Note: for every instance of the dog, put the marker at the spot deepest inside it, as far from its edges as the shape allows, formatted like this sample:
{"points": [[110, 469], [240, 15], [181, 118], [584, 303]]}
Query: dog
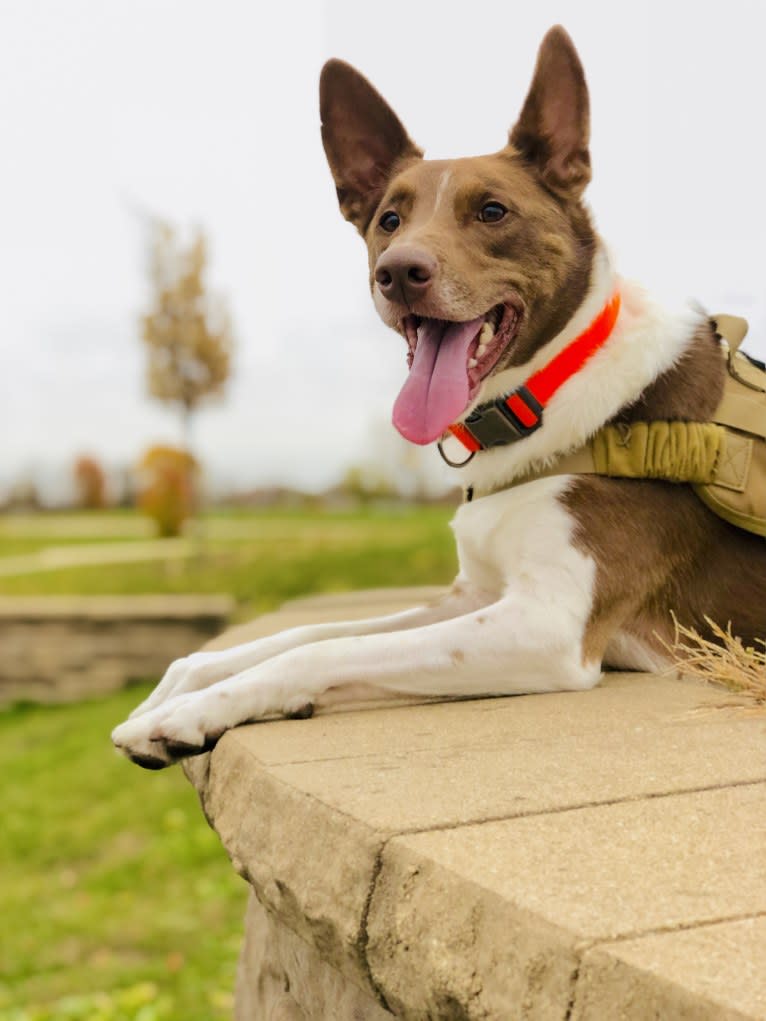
{"points": [[492, 273]]}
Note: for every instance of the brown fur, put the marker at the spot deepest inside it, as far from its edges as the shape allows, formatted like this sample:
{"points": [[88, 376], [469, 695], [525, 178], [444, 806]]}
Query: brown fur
{"points": [[690, 391], [364, 140], [659, 549], [553, 129], [691, 562], [538, 259]]}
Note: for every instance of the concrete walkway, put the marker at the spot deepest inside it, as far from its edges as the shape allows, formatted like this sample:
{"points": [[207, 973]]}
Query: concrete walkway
{"points": [[129, 550], [95, 554], [578, 856]]}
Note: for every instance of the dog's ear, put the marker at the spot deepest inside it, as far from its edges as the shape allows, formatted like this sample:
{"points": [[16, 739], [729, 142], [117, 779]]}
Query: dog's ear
{"points": [[363, 140], [553, 129]]}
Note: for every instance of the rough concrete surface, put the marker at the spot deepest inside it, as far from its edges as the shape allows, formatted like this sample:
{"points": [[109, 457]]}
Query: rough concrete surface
{"points": [[310, 867], [577, 857], [711, 972], [283, 978]]}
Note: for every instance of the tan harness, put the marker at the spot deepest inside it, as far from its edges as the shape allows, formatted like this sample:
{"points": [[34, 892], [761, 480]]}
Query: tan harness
{"points": [[724, 460]]}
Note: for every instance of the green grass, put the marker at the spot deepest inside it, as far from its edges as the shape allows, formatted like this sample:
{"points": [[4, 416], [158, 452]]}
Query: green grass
{"points": [[29, 533], [117, 901], [269, 558], [116, 898]]}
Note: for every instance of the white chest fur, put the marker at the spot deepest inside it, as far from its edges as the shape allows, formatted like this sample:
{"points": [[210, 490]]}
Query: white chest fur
{"points": [[520, 539]]}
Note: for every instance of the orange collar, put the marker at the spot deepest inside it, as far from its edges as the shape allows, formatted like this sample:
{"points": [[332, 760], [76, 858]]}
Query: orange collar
{"points": [[514, 415]]}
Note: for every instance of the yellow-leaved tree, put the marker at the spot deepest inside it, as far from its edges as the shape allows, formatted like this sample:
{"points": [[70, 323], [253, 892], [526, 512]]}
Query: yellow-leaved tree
{"points": [[187, 330]]}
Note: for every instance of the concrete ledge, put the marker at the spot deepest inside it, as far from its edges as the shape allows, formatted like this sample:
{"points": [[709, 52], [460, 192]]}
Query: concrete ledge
{"points": [[61, 648], [570, 856], [711, 972]]}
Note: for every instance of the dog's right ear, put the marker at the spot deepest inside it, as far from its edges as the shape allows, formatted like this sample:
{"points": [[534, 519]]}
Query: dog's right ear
{"points": [[363, 140]]}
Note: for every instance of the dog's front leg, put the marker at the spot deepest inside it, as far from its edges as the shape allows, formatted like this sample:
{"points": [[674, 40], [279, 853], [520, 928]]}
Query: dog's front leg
{"points": [[202, 669], [509, 647]]}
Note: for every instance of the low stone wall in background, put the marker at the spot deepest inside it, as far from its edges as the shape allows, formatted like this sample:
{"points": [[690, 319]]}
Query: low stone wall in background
{"points": [[63, 648]]}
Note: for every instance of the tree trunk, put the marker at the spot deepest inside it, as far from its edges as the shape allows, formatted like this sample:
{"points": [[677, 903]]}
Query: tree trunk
{"points": [[186, 428], [195, 526]]}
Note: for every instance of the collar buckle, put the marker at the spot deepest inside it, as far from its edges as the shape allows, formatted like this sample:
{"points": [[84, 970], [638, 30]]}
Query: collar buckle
{"points": [[509, 418]]}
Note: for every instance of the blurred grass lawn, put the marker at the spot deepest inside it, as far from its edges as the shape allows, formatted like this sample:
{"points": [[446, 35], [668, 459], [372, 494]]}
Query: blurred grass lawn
{"points": [[262, 559], [117, 901]]}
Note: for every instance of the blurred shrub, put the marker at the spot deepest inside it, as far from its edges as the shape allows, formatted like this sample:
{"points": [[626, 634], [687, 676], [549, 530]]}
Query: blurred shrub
{"points": [[365, 484], [167, 485], [23, 495], [90, 482]]}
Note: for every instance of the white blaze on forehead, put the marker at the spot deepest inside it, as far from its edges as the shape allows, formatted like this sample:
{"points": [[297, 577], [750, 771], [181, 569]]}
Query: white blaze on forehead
{"points": [[442, 187]]}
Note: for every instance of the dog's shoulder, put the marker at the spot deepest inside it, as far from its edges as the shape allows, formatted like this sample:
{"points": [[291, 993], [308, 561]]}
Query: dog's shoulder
{"points": [[689, 390]]}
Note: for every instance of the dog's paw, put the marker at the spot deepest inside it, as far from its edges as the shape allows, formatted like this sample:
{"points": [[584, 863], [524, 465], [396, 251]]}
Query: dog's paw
{"points": [[191, 723], [172, 731], [135, 745]]}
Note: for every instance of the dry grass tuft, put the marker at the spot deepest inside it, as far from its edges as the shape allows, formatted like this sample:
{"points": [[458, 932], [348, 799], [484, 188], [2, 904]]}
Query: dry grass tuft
{"points": [[725, 662]]}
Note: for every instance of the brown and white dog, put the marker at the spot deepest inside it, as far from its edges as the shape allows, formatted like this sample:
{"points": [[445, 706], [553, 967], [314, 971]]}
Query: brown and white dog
{"points": [[489, 267]]}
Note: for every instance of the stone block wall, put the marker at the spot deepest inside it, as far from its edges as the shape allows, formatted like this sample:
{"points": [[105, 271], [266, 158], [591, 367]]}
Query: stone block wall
{"points": [[57, 649], [577, 856]]}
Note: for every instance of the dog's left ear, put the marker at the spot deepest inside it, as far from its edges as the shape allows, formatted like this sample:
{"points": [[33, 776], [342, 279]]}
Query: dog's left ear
{"points": [[553, 130], [363, 140]]}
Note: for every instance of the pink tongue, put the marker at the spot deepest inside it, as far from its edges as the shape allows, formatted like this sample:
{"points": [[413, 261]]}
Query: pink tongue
{"points": [[437, 388]]}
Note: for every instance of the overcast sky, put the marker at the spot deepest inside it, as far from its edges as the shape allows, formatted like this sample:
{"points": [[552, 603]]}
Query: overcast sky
{"points": [[206, 113]]}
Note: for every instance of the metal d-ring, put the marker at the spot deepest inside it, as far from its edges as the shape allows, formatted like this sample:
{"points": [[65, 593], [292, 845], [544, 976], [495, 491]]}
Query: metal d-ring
{"points": [[454, 464]]}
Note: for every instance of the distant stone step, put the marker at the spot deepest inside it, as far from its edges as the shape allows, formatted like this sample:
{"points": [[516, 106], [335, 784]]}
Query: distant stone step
{"points": [[64, 648]]}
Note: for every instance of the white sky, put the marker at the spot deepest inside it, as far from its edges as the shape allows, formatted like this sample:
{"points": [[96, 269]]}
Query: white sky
{"points": [[205, 111]]}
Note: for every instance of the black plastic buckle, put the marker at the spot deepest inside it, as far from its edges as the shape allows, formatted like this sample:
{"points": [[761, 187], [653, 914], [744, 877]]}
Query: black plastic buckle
{"points": [[532, 404], [496, 425]]}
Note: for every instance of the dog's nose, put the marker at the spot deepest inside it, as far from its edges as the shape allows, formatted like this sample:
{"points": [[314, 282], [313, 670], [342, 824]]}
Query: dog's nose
{"points": [[404, 273]]}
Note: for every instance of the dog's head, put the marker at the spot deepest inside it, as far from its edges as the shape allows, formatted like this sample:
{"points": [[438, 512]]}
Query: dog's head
{"points": [[476, 262]]}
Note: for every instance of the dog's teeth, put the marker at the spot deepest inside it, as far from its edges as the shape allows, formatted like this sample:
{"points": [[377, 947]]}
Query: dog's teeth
{"points": [[472, 363], [481, 350], [487, 332]]}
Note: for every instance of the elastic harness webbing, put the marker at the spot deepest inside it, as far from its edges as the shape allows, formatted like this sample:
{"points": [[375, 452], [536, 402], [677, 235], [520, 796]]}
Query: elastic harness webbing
{"points": [[712, 457], [672, 451]]}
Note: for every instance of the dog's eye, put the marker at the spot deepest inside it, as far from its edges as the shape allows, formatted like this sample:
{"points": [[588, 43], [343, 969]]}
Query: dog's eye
{"points": [[492, 212], [389, 221]]}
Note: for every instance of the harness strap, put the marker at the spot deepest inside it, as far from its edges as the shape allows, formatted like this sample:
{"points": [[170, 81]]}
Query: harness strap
{"points": [[733, 329], [700, 453], [673, 451], [742, 411]]}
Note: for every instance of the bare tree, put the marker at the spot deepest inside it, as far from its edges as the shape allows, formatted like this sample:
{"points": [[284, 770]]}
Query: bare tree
{"points": [[187, 330]]}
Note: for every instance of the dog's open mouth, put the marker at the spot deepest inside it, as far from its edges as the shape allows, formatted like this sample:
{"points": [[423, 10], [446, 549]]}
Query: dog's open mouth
{"points": [[448, 362]]}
